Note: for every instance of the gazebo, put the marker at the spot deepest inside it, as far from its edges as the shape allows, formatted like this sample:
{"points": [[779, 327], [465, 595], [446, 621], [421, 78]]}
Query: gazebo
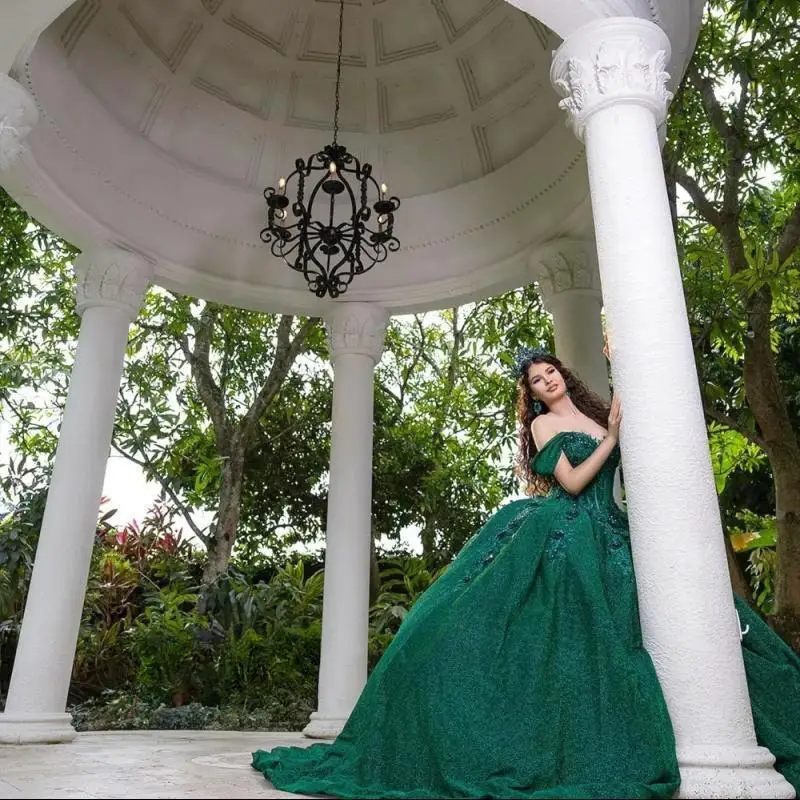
{"points": [[144, 132]]}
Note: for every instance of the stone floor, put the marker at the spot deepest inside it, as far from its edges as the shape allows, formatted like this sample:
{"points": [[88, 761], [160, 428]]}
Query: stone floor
{"points": [[142, 764]]}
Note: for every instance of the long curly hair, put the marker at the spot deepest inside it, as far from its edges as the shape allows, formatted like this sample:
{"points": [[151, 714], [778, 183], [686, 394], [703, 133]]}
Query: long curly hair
{"points": [[584, 399]]}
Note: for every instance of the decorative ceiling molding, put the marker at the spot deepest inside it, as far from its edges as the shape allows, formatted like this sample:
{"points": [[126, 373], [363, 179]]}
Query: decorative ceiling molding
{"points": [[310, 104], [391, 118], [173, 56], [453, 19], [543, 33], [82, 15], [310, 52], [385, 56], [153, 108], [212, 6], [464, 72], [279, 45], [486, 75]]}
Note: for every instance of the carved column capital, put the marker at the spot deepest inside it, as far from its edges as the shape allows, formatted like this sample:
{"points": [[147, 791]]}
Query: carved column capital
{"points": [[113, 277], [610, 61], [18, 115], [357, 328], [566, 266]]}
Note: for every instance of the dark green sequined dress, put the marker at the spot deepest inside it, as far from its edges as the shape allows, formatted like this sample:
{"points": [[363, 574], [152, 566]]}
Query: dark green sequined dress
{"points": [[521, 672]]}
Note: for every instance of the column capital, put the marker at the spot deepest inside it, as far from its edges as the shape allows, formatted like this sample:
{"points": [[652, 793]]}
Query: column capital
{"points": [[112, 277], [18, 115], [357, 329], [566, 266], [610, 61]]}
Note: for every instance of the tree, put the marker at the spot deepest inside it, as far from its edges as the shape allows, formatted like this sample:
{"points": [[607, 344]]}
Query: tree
{"points": [[733, 123], [37, 324], [199, 380], [200, 386], [445, 430]]}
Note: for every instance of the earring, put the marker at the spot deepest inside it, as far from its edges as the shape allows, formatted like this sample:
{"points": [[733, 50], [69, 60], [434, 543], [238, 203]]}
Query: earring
{"points": [[569, 393], [537, 407]]}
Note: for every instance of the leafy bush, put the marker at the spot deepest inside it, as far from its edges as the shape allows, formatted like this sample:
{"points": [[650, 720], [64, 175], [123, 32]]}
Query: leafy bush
{"points": [[168, 644], [755, 536], [19, 534], [158, 651]]}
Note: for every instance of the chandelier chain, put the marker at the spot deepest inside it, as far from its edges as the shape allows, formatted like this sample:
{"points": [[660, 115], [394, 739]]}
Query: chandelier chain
{"points": [[338, 73], [338, 232]]}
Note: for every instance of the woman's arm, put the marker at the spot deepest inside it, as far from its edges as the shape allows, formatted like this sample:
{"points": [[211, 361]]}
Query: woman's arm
{"points": [[576, 479]]}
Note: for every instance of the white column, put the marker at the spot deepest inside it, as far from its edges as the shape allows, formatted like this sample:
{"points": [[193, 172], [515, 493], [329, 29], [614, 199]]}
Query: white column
{"points": [[570, 288], [611, 73], [18, 115], [578, 328], [356, 332], [111, 285]]}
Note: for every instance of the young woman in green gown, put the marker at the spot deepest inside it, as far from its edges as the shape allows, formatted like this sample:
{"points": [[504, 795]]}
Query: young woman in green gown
{"points": [[521, 673]]}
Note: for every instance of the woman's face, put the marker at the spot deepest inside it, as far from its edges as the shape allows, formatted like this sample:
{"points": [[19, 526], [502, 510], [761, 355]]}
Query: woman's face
{"points": [[546, 383]]}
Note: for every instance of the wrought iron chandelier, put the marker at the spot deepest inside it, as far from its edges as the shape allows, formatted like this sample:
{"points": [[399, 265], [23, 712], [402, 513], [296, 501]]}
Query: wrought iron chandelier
{"points": [[337, 232]]}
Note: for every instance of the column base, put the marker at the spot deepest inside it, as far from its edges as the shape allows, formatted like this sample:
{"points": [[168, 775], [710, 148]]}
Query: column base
{"points": [[36, 728], [730, 772], [323, 726]]}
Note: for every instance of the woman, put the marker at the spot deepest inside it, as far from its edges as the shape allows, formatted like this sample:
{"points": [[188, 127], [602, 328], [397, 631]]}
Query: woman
{"points": [[521, 672]]}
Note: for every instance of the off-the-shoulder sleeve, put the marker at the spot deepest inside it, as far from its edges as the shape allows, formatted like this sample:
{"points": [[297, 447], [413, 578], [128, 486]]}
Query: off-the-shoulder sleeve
{"points": [[545, 460]]}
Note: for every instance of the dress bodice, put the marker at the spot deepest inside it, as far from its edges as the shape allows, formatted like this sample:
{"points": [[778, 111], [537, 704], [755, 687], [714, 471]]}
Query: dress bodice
{"points": [[578, 446]]}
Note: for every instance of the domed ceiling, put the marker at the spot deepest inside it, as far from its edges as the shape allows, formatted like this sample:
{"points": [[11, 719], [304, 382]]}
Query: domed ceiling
{"points": [[162, 122], [434, 92]]}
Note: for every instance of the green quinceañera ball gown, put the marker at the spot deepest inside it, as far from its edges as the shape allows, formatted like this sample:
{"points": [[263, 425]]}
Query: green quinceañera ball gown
{"points": [[521, 672]]}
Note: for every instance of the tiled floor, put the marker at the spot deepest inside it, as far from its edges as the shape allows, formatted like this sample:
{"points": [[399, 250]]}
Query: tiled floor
{"points": [[142, 764]]}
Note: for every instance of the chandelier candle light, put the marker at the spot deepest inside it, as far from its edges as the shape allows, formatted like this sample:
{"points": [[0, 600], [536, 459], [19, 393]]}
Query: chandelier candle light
{"points": [[331, 243]]}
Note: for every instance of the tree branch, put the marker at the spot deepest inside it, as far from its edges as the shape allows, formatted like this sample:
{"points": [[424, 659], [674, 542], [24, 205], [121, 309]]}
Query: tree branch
{"points": [[286, 351], [714, 109], [789, 237], [698, 196], [669, 162], [729, 422], [731, 137], [200, 363], [146, 464]]}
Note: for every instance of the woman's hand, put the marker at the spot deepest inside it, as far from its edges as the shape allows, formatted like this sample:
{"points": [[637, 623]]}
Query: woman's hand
{"points": [[614, 418]]}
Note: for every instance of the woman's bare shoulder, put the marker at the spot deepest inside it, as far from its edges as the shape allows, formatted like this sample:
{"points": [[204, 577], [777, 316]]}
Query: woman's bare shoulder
{"points": [[543, 430]]}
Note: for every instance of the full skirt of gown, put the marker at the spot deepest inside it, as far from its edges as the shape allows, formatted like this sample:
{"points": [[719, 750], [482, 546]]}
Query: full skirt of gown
{"points": [[520, 673]]}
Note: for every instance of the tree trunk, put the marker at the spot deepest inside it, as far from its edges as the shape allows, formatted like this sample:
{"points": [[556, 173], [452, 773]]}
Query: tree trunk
{"points": [[428, 538], [227, 522], [766, 400], [786, 618], [739, 581], [374, 572]]}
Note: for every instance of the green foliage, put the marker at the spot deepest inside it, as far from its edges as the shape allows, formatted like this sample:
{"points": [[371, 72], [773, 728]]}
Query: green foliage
{"points": [[19, 533], [242, 654], [761, 569], [755, 536], [226, 384], [444, 419], [733, 148], [403, 581], [731, 451], [168, 646]]}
